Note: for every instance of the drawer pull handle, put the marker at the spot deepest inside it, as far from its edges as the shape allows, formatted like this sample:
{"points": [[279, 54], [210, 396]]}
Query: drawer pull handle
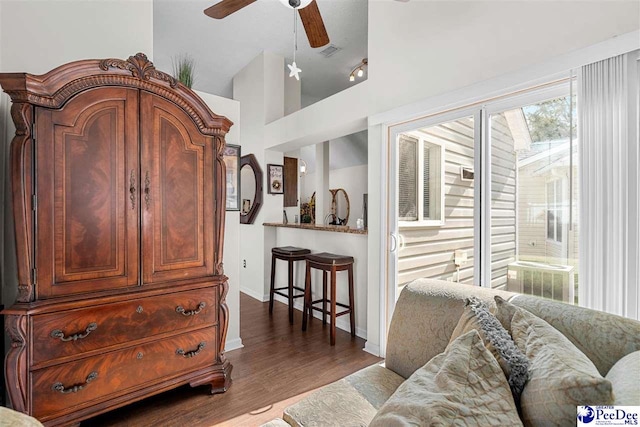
{"points": [[76, 388], [181, 310], [57, 333], [188, 354]]}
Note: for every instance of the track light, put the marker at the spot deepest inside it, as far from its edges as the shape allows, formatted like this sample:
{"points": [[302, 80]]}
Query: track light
{"points": [[358, 70]]}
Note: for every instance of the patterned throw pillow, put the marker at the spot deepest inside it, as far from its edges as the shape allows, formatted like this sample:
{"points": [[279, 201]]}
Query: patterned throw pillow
{"points": [[462, 386], [561, 376], [514, 363]]}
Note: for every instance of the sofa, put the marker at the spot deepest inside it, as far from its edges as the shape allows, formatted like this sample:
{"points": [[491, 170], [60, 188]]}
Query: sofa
{"points": [[425, 317]]}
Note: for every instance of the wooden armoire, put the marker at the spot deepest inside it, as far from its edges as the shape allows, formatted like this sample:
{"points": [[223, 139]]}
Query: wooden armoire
{"points": [[118, 189]]}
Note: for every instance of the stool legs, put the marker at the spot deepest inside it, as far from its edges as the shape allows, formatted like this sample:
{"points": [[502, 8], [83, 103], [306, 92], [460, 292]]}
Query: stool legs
{"points": [[333, 306], [307, 296], [324, 297], [291, 292], [273, 278], [352, 314]]}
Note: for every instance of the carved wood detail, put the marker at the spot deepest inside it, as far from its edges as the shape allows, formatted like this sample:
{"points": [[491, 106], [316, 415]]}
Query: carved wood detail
{"points": [[21, 182], [54, 89], [140, 67], [221, 196], [16, 362], [97, 155]]}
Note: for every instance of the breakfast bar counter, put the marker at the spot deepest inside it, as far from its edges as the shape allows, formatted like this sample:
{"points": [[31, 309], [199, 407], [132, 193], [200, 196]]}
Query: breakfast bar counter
{"points": [[334, 239], [333, 228]]}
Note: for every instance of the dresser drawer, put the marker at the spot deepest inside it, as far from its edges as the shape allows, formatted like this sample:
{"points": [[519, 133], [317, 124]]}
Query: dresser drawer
{"points": [[74, 332], [64, 387]]}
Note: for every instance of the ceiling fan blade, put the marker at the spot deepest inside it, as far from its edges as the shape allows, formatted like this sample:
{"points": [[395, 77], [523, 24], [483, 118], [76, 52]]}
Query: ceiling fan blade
{"points": [[313, 25], [226, 8]]}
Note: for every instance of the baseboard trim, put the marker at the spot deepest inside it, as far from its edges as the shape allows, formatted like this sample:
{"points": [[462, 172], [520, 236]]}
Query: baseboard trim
{"points": [[233, 344], [372, 349], [341, 322], [255, 295]]}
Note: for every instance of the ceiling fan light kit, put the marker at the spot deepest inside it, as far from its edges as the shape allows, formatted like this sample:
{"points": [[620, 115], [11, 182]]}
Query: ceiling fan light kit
{"points": [[358, 70]]}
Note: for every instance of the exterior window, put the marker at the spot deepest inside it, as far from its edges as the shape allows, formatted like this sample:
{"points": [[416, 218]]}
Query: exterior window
{"points": [[554, 210], [420, 195]]}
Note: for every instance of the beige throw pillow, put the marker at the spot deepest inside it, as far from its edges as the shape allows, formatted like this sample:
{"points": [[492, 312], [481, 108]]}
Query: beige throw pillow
{"points": [[462, 386], [625, 379], [561, 377]]}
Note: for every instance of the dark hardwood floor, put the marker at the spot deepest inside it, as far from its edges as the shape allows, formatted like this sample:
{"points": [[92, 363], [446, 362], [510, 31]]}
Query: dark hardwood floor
{"points": [[278, 366]]}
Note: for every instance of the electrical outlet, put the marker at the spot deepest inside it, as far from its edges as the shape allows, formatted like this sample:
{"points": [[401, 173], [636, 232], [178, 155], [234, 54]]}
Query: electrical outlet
{"points": [[244, 263]]}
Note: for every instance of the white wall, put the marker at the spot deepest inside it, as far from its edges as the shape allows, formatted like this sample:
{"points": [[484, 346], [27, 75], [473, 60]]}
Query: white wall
{"points": [[445, 45], [37, 36], [231, 256], [255, 87]]}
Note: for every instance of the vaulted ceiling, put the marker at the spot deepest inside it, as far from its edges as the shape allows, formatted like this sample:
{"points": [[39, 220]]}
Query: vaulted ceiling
{"points": [[221, 48]]}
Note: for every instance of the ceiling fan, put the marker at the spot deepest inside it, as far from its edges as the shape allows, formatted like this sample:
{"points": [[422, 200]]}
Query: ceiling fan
{"points": [[308, 10]]}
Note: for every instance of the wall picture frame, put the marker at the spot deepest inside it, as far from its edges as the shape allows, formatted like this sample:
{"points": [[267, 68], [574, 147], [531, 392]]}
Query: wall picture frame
{"points": [[231, 157], [275, 184]]}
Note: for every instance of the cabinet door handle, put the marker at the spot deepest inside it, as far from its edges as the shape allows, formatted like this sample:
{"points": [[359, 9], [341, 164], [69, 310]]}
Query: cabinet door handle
{"points": [[57, 333], [147, 189], [188, 354], [132, 189], [181, 310], [59, 387]]}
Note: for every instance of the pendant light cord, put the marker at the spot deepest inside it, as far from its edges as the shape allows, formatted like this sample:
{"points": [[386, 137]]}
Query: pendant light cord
{"points": [[295, 35]]}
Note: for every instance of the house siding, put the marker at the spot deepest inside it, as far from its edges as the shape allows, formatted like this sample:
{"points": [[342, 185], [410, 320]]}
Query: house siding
{"points": [[429, 251]]}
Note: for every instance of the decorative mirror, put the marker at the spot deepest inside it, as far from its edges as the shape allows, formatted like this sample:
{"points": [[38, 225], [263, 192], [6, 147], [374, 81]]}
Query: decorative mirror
{"points": [[339, 207], [250, 188]]}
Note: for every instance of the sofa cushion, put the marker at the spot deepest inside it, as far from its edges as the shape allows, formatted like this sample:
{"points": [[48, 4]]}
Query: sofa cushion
{"points": [[11, 418], [351, 401], [425, 315], [603, 337], [561, 376], [462, 386], [625, 379], [512, 360]]}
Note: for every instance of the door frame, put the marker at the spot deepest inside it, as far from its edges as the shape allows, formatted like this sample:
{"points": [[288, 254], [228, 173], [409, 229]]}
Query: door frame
{"points": [[481, 112]]}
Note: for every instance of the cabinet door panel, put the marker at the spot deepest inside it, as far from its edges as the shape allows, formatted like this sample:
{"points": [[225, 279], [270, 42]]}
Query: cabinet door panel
{"points": [[87, 169], [177, 165]]}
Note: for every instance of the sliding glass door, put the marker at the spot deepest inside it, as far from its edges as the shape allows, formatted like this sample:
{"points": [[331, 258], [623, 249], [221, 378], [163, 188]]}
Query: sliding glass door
{"points": [[487, 196], [534, 171]]}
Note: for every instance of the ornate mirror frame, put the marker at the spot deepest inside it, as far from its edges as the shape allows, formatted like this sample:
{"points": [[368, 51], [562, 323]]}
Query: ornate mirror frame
{"points": [[334, 204], [250, 160]]}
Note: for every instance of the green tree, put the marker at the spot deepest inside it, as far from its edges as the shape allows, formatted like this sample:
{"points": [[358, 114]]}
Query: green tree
{"points": [[550, 120]]}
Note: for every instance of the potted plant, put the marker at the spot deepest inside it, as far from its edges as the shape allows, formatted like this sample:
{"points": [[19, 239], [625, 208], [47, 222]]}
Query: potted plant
{"points": [[184, 69]]}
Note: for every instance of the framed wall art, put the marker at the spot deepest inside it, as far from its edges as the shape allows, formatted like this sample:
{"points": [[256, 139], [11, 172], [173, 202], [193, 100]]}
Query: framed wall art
{"points": [[276, 179], [232, 162]]}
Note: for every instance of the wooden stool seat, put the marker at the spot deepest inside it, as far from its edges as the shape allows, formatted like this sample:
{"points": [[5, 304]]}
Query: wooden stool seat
{"points": [[290, 251], [289, 254], [329, 263], [327, 258]]}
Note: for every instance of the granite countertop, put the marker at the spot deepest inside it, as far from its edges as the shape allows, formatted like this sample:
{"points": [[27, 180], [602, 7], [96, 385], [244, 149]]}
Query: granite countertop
{"points": [[334, 228]]}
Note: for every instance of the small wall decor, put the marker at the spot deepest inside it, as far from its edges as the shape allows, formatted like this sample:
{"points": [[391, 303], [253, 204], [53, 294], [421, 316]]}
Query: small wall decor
{"points": [[276, 179], [232, 162]]}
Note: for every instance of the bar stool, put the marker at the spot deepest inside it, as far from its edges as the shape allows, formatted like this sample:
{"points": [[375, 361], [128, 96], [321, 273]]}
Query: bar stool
{"points": [[289, 254], [328, 263]]}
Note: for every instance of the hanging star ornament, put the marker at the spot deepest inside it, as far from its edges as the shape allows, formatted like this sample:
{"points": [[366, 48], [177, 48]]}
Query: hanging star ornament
{"points": [[295, 71]]}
